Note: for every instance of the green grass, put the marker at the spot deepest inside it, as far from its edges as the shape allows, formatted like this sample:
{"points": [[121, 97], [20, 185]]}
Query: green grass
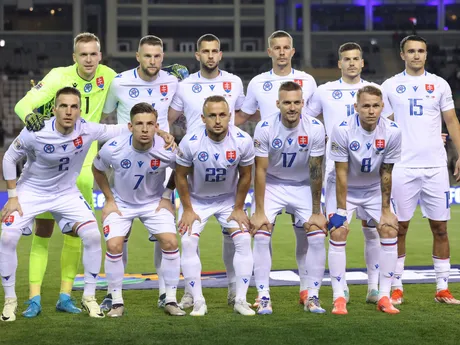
{"points": [[421, 320]]}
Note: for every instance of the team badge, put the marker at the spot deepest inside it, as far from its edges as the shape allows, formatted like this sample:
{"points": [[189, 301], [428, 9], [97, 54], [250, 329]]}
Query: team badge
{"points": [[429, 88], [277, 143], [164, 89], [155, 164], [106, 230], [400, 89], [337, 94], [100, 82], [267, 86], [9, 220], [196, 88], [125, 164], [48, 148], [231, 156], [354, 146], [379, 144], [227, 86], [88, 87], [302, 140], [17, 144], [78, 143], [334, 147], [133, 92], [256, 143], [299, 81], [38, 86], [203, 156]]}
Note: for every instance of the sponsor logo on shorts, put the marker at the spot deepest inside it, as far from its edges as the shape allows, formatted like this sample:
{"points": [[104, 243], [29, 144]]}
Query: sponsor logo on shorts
{"points": [[106, 230]]}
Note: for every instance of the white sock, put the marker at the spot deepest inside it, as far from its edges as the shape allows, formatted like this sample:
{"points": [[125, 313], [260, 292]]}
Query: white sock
{"points": [[170, 268], [337, 262], [262, 262], [442, 271], [191, 265], [399, 270], [228, 253], [157, 261], [243, 263], [388, 257], [114, 272], [372, 255], [9, 260], [315, 261], [301, 249], [125, 252], [92, 252]]}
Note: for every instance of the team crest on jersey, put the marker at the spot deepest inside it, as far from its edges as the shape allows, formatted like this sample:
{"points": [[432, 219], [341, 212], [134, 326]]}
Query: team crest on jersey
{"points": [[38, 86], [106, 230], [337, 94], [256, 143], [88, 87], [302, 140], [401, 89], [155, 164], [133, 92], [299, 81], [196, 88], [354, 146], [379, 144], [231, 156], [78, 143], [429, 88], [267, 86], [203, 156], [48, 148], [227, 86], [277, 143], [100, 82], [9, 220], [125, 163], [17, 143], [164, 89]]}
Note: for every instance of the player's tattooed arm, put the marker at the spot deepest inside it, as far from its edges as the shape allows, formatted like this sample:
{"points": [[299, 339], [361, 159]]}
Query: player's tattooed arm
{"points": [[316, 181], [385, 184]]}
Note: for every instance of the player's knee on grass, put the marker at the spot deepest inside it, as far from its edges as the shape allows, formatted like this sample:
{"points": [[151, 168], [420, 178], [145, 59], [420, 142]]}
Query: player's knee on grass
{"points": [[115, 245], [44, 227], [168, 241], [339, 234], [439, 229]]}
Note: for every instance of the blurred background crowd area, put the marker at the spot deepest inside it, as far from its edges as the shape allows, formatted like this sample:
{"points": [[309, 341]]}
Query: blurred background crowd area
{"points": [[37, 35]]}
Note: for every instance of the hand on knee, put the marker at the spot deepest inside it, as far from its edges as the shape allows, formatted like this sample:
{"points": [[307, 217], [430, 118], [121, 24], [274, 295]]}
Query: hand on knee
{"points": [[340, 234]]}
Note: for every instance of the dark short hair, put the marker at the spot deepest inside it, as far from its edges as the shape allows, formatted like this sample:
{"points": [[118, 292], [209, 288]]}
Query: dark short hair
{"points": [[142, 107], [206, 38], [411, 38], [68, 90], [369, 89], [279, 34], [151, 40], [290, 86], [349, 46], [215, 99]]}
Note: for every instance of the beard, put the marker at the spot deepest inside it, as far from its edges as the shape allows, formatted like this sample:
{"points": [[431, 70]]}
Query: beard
{"points": [[209, 69], [147, 72]]}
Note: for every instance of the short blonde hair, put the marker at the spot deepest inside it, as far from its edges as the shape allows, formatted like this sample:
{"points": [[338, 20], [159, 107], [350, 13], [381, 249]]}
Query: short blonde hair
{"points": [[85, 37], [150, 40], [279, 34]]}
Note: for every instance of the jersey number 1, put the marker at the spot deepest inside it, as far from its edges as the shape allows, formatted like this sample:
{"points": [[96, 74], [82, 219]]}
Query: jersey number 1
{"points": [[87, 105]]}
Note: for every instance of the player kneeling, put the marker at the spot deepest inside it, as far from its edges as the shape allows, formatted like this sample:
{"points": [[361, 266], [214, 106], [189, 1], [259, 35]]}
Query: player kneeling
{"points": [[364, 149], [139, 163]]}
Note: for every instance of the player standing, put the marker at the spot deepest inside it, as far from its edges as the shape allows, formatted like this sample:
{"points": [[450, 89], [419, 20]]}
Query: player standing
{"points": [[418, 99], [364, 148], [289, 154], [213, 176]]}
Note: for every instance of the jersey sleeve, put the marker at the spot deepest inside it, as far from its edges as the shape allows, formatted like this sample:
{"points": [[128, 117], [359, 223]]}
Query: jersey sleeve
{"points": [[318, 146], [261, 140], [184, 155], [247, 154], [250, 104], [387, 108], [103, 158], [111, 101], [40, 94], [240, 100], [393, 151], [103, 132], [177, 103], [17, 150], [313, 107], [339, 144], [446, 102]]}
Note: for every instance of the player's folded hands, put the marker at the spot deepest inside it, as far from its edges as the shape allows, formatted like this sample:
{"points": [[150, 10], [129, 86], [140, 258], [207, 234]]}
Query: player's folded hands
{"points": [[11, 206], [188, 218], [239, 216], [318, 220], [110, 206], [258, 221], [389, 219]]}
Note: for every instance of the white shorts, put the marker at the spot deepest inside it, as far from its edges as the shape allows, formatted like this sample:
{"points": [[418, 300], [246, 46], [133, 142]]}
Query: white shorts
{"points": [[155, 222], [219, 208], [296, 199], [429, 186], [67, 209]]}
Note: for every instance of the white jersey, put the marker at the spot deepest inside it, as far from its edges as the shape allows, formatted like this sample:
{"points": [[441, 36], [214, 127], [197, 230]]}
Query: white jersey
{"points": [[138, 176], [289, 149], [215, 164], [417, 103], [128, 89], [263, 89], [192, 92], [54, 160], [365, 151], [336, 101]]}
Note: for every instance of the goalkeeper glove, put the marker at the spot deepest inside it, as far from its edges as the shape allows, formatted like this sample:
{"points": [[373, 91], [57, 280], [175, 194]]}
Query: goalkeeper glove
{"points": [[337, 219], [179, 71], [35, 122]]}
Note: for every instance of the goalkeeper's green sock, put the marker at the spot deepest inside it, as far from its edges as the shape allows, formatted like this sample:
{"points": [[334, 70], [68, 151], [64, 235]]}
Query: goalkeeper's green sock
{"points": [[38, 261], [70, 260]]}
